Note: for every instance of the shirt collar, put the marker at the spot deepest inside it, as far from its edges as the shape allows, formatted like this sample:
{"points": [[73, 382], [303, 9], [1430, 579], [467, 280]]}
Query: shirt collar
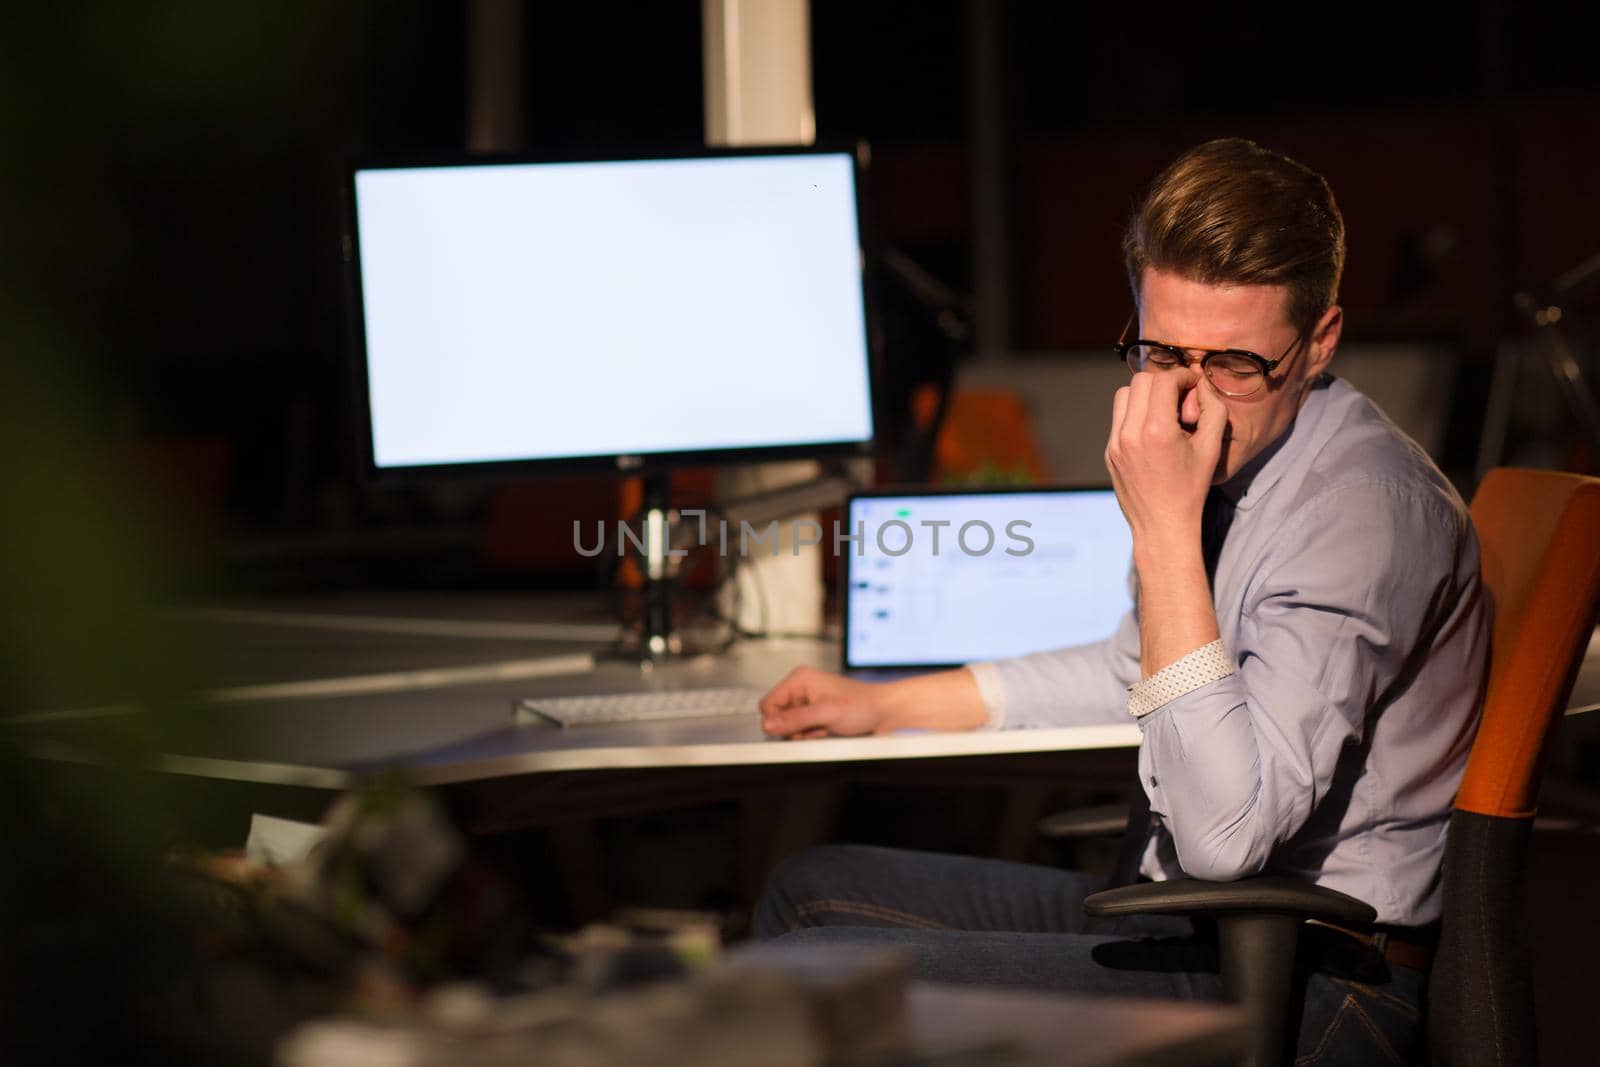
{"points": [[1255, 479]]}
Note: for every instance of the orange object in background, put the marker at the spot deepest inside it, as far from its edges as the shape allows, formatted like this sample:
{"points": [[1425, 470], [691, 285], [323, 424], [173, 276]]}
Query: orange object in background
{"points": [[987, 437]]}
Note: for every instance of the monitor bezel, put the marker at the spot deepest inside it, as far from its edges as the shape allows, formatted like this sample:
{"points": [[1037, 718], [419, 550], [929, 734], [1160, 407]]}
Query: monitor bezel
{"points": [[903, 490], [647, 463]]}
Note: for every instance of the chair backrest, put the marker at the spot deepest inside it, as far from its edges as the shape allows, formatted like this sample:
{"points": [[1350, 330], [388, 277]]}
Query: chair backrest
{"points": [[1539, 533]]}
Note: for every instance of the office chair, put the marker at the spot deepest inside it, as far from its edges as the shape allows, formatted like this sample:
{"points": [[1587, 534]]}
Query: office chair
{"points": [[1539, 533]]}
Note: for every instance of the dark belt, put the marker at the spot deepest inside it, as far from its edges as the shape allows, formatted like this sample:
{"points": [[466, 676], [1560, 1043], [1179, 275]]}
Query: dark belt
{"points": [[1402, 946]]}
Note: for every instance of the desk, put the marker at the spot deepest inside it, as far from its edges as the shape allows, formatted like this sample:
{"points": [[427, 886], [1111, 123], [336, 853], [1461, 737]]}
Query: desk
{"points": [[460, 736], [449, 734], [287, 754], [457, 733]]}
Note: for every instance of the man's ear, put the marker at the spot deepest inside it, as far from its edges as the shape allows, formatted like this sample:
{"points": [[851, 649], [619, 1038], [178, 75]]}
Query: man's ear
{"points": [[1324, 341]]}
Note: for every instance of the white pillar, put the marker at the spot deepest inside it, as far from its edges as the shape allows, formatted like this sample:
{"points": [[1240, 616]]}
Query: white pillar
{"points": [[758, 72], [758, 92]]}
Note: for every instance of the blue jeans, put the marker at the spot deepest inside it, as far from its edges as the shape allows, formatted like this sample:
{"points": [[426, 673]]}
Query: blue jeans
{"points": [[988, 922]]}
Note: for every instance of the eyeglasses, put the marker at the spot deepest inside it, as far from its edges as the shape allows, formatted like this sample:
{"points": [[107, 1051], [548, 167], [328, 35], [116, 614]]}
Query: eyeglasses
{"points": [[1233, 372]]}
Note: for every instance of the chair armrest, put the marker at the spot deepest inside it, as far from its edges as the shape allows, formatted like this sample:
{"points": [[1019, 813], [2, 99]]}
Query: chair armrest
{"points": [[1097, 820], [1262, 894], [1258, 923]]}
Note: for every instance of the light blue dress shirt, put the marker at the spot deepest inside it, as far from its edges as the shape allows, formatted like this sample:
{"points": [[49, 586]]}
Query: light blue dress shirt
{"points": [[1347, 594]]}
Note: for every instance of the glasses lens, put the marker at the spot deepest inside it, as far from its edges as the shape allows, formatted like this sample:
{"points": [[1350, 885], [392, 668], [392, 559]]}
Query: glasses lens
{"points": [[1151, 357], [1233, 375]]}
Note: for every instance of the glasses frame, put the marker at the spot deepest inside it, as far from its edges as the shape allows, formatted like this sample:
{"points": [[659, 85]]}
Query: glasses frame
{"points": [[1181, 353]]}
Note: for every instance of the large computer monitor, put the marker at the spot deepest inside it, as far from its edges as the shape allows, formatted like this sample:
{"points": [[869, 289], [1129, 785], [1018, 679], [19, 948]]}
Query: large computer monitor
{"points": [[623, 314], [627, 314]]}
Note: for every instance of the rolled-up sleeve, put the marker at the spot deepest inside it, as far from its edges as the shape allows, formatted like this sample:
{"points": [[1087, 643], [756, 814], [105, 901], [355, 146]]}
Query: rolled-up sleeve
{"points": [[1064, 687], [1236, 766]]}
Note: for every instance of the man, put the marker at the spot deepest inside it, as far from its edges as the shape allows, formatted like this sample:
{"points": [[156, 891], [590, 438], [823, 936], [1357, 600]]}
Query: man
{"points": [[1305, 658]]}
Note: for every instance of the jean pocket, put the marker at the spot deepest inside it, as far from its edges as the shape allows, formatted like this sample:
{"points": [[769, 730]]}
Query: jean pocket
{"points": [[1356, 1025]]}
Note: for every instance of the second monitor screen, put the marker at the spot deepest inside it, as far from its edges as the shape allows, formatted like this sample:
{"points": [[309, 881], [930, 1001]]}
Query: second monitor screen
{"points": [[956, 578]]}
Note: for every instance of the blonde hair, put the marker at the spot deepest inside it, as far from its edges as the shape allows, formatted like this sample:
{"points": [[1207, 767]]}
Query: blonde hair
{"points": [[1230, 212]]}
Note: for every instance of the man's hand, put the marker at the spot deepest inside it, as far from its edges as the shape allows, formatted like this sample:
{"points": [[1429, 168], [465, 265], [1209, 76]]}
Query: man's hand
{"points": [[1166, 439], [815, 703]]}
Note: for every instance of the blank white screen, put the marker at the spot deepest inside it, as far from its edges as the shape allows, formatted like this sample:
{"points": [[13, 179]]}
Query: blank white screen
{"points": [[1070, 588], [539, 311]]}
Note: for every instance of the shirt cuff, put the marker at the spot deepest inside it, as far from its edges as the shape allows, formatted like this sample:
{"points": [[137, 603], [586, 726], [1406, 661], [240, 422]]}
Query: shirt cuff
{"points": [[1201, 667], [993, 692]]}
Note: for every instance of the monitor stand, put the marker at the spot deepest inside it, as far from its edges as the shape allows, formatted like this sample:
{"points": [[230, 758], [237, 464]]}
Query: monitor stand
{"points": [[654, 636]]}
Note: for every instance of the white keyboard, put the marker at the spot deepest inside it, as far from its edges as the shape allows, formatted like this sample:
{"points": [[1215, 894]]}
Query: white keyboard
{"points": [[642, 707]]}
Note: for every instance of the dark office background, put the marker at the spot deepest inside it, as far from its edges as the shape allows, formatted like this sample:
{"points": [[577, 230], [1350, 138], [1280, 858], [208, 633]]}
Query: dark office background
{"points": [[171, 291], [174, 170]]}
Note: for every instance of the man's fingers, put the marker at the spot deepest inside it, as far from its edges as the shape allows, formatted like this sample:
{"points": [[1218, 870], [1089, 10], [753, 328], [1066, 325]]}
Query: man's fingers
{"points": [[1153, 402], [1213, 418], [1138, 404], [1212, 426], [793, 688], [1189, 408], [1119, 414], [778, 697], [1166, 395], [801, 718]]}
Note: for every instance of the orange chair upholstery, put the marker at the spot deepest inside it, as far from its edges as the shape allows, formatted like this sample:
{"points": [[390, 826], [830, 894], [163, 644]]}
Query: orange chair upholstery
{"points": [[1540, 538]]}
